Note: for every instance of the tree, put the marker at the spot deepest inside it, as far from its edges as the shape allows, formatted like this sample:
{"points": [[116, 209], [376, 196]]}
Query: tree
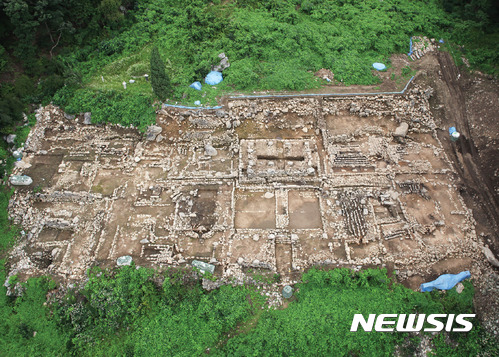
{"points": [[160, 81], [110, 10]]}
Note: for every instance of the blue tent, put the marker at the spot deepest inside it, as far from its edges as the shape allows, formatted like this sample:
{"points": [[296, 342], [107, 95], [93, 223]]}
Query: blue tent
{"points": [[213, 78], [445, 282], [379, 66]]}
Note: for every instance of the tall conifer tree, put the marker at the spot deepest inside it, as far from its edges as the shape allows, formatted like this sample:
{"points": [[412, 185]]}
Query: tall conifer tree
{"points": [[160, 81]]}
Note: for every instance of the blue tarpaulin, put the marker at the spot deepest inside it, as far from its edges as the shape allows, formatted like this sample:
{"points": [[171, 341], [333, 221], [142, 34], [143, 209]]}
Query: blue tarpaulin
{"points": [[379, 66], [410, 47], [445, 282], [213, 78], [452, 130], [196, 85]]}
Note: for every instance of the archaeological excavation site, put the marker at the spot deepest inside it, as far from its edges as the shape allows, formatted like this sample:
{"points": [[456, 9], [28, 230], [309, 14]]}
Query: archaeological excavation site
{"points": [[275, 185]]}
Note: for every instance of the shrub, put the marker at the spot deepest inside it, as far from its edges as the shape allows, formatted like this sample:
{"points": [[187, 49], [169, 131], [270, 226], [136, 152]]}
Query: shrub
{"points": [[112, 46], [50, 85], [111, 107], [24, 87]]}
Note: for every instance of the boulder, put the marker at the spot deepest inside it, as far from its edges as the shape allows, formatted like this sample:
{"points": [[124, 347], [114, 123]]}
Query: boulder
{"points": [[224, 63], [490, 256], [87, 118], [203, 267], [10, 138], [18, 180], [22, 164], [210, 150], [268, 195], [152, 132], [401, 130], [124, 260], [220, 113]]}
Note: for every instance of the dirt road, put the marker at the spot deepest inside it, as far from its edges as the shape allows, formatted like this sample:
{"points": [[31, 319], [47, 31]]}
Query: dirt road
{"points": [[463, 153]]}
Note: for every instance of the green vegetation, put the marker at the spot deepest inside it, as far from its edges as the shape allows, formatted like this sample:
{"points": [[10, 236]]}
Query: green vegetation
{"points": [[408, 72], [8, 232], [122, 312], [109, 106], [137, 311]]}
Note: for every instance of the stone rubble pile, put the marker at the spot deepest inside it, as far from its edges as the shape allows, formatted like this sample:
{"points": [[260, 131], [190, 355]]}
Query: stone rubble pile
{"points": [[422, 45]]}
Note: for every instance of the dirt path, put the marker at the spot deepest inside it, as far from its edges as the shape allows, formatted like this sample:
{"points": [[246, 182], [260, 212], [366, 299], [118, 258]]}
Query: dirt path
{"points": [[463, 153]]}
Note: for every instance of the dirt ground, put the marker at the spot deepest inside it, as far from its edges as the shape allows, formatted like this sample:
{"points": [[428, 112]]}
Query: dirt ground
{"points": [[470, 102]]}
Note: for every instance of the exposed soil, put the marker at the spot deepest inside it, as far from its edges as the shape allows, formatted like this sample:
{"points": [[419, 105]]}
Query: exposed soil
{"points": [[469, 102]]}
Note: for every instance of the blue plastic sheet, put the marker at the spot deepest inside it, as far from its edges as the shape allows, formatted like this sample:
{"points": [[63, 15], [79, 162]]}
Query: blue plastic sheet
{"points": [[196, 85], [213, 78], [441, 40], [452, 130], [410, 47], [185, 107], [379, 66], [445, 282]]}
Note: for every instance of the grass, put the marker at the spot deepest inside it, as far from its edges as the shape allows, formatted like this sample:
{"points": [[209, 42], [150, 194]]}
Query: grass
{"points": [[408, 72], [97, 189]]}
